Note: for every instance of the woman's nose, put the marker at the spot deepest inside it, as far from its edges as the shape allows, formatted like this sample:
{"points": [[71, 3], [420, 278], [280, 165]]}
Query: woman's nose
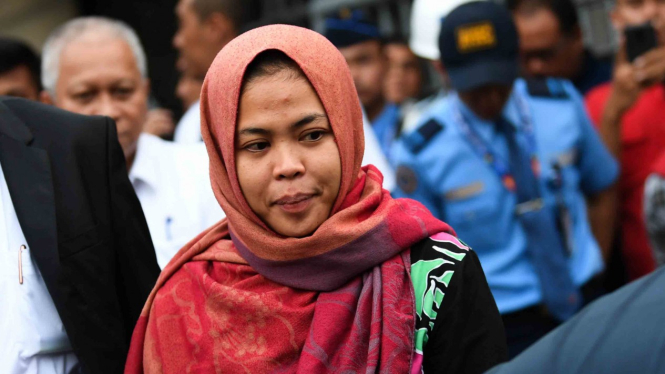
{"points": [[289, 163]]}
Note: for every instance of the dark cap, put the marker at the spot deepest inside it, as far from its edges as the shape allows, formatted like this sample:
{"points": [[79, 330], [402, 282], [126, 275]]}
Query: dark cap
{"points": [[350, 28], [479, 46]]}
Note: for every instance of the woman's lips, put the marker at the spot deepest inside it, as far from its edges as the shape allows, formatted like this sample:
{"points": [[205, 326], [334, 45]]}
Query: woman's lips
{"points": [[295, 203]]}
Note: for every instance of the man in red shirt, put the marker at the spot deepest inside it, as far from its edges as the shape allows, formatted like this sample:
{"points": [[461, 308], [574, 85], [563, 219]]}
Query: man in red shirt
{"points": [[630, 115]]}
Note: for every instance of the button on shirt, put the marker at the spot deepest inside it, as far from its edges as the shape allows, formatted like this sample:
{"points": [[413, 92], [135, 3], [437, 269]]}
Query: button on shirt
{"points": [[457, 185], [33, 340], [173, 185]]}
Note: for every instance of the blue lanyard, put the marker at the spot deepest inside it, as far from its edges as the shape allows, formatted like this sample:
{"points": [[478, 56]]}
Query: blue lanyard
{"points": [[484, 151]]}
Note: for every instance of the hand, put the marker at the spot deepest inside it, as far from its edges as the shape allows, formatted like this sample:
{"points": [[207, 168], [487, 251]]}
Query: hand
{"points": [[650, 67], [625, 85], [159, 122]]}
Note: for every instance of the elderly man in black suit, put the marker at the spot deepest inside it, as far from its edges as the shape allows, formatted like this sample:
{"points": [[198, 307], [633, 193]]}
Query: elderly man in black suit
{"points": [[75, 252]]}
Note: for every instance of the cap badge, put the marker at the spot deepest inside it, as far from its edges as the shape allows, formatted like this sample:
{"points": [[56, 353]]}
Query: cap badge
{"points": [[475, 37]]}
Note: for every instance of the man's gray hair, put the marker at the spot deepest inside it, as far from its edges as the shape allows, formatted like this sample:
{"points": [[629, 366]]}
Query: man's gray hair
{"points": [[77, 28]]}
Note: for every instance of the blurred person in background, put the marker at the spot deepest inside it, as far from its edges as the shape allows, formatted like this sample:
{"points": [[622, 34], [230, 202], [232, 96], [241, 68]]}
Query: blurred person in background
{"points": [[188, 90], [552, 44], [204, 28], [630, 115], [404, 75], [618, 334], [367, 69], [96, 66], [509, 163], [19, 70], [426, 18], [359, 41], [159, 122]]}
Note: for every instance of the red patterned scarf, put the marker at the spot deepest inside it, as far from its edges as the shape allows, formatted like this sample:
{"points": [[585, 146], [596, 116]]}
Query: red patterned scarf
{"points": [[241, 298]]}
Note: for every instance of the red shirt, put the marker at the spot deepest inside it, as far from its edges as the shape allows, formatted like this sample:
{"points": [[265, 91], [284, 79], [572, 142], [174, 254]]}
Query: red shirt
{"points": [[642, 141], [659, 165]]}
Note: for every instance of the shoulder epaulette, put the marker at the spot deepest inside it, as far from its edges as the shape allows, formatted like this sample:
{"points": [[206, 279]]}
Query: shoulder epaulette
{"points": [[418, 139], [546, 87]]}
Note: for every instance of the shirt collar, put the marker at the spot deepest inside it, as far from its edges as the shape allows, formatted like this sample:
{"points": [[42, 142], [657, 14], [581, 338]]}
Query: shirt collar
{"points": [[143, 169], [509, 111]]}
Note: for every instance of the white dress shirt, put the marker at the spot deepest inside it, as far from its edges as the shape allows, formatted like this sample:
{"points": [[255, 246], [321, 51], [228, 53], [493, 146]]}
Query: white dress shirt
{"points": [[173, 185], [374, 155], [188, 130], [32, 337]]}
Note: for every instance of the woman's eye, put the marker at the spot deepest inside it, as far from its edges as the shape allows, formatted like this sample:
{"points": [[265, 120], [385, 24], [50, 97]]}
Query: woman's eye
{"points": [[313, 136], [257, 147]]}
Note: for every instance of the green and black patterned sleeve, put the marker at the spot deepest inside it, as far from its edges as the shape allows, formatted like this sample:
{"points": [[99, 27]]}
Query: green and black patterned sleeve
{"points": [[458, 326]]}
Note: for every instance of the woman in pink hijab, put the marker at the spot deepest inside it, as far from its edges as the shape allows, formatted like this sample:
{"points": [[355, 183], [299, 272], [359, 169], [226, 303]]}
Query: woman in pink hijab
{"points": [[316, 268]]}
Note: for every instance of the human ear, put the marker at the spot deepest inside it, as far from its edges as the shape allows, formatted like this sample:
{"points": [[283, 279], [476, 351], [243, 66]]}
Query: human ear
{"points": [[219, 27], [46, 98]]}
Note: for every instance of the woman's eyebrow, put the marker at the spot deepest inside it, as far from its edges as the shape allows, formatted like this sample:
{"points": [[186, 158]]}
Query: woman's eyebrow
{"points": [[307, 120], [302, 122], [254, 131]]}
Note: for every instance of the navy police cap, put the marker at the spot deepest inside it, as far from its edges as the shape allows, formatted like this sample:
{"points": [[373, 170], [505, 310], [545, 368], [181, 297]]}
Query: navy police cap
{"points": [[479, 46], [350, 27]]}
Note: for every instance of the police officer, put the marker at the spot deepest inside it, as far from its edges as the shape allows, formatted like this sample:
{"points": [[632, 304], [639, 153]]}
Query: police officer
{"points": [[509, 164]]}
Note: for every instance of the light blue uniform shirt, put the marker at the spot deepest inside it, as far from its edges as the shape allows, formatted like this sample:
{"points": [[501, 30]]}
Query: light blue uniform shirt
{"points": [[438, 167]]}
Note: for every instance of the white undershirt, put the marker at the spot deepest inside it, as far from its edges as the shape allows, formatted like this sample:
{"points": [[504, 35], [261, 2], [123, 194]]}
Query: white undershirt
{"points": [[32, 337], [375, 156]]}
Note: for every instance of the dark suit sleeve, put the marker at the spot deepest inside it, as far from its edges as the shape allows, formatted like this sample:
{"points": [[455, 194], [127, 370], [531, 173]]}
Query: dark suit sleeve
{"points": [[136, 262], [468, 335]]}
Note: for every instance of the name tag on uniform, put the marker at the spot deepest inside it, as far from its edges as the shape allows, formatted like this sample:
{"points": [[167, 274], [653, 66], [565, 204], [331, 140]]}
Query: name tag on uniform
{"points": [[464, 192]]}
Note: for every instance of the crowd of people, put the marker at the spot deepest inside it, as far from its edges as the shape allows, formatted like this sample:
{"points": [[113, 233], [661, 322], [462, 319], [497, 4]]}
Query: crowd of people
{"points": [[343, 201]]}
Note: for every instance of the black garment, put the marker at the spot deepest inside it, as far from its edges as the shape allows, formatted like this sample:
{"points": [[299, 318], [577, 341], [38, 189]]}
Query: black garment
{"points": [[527, 326], [619, 333], [595, 72], [468, 335], [84, 225]]}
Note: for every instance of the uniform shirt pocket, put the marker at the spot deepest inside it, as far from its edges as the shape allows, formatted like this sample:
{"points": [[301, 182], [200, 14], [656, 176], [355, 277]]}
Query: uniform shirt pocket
{"points": [[474, 212]]}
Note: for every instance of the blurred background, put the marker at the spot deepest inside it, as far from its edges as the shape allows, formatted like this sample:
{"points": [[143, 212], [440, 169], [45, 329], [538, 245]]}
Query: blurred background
{"points": [[155, 22]]}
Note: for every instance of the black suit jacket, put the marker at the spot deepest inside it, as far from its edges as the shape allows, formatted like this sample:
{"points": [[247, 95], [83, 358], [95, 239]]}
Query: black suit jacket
{"points": [[85, 227]]}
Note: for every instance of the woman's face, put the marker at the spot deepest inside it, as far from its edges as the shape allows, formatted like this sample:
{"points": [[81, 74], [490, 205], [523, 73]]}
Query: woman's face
{"points": [[287, 161]]}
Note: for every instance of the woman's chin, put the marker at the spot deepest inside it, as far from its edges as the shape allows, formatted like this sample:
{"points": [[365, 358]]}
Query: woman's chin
{"points": [[295, 231], [301, 228]]}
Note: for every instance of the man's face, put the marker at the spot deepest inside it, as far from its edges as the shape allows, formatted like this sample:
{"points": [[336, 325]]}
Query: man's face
{"points": [[18, 82], [403, 76], [636, 12], [544, 49], [367, 64], [487, 102], [99, 76], [195, 41]]}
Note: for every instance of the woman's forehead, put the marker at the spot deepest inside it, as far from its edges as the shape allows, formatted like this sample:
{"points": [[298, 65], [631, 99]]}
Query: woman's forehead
{"points": [[273, 101]]}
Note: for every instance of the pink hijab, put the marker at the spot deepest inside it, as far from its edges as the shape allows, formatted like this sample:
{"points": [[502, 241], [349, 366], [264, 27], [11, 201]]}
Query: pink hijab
{"points": [[241, 298]]}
